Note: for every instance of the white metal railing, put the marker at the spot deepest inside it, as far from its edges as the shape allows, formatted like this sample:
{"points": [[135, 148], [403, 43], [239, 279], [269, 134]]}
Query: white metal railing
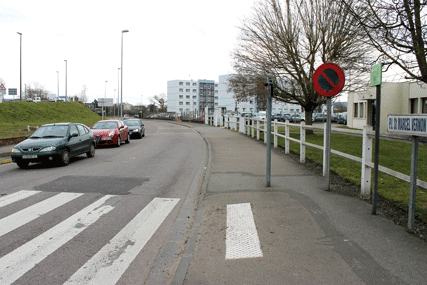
{"points": [[254, 127]]}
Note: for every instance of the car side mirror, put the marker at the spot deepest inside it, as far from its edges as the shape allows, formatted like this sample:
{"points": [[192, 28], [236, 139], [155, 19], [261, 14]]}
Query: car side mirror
{"points": [[73, 135], [121, 127]]}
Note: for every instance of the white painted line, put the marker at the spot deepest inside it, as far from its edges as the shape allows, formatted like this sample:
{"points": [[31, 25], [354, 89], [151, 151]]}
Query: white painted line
{"points": [[20, 195], [20, 218], [109, 264], [241, 235], [24, 258]]}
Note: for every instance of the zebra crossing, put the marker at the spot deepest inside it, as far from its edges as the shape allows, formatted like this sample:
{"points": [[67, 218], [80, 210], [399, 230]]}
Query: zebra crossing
{"points": [[107, 265]]}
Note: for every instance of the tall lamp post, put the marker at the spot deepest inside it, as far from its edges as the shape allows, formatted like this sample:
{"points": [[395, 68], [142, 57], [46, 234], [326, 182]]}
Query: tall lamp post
{"points": [[105, 100], [121, 87], [20, 66], [57, 84], [118, 92], [141, 106], [66, 97]]}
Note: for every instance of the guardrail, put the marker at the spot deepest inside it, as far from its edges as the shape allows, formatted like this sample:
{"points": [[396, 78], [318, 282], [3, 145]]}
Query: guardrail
{"points": [[254, 127]]}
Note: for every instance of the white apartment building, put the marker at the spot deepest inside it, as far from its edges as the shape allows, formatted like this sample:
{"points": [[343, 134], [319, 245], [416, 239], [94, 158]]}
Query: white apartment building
{"points": [[195, 95]]}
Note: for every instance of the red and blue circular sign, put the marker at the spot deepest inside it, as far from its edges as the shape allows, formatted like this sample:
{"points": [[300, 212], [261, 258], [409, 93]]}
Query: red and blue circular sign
{"points": [[328, 79]]}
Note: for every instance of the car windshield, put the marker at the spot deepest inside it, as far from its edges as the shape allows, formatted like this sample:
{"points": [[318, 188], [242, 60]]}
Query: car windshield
{"points": [[131, 123], [105, 125], [50, 132]]}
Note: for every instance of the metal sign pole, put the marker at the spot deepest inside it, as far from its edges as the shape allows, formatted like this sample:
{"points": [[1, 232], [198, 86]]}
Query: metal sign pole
{"points": [[377, 149], [413, 187], [328, 144], [268, 131]]}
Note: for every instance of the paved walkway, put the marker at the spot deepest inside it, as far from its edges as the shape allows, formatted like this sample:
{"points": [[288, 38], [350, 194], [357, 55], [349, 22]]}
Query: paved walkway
{"points": [[303, 234]]}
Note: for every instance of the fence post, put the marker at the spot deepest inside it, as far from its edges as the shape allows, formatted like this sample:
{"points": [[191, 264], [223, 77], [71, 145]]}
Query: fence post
{"points": [[253, 128], [257, 130], [275, 132], [324, 149], [302, 143], [287, 150], [365, 188]]}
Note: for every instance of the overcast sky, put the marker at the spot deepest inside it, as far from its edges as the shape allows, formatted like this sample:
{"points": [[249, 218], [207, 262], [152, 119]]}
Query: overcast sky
{"points": [[167, 40]]}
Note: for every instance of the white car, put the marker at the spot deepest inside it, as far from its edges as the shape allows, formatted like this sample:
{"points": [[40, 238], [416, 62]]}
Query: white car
{"points": [[260, 115]]}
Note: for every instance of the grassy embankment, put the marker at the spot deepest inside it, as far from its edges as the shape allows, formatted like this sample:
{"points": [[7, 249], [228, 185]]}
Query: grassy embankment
{"points": [[393, 155], [16, 116]]}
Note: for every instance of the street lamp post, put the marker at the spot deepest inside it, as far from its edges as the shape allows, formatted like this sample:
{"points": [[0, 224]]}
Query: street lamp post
{"points": [[20, 66], [141, 106], [118, 92], [121, 87], [57, 95], [105, 100], [66, 96]]}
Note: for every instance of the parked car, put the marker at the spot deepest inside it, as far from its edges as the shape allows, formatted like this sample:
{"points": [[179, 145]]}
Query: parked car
{"points": [[136, 127], [111, 132], [260, 115], [342, 118], [320, 118], [281, 117], [56, 143], [297, 118]]}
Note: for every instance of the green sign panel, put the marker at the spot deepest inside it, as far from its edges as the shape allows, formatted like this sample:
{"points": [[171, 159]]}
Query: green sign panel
{"points": [[376, 74]]}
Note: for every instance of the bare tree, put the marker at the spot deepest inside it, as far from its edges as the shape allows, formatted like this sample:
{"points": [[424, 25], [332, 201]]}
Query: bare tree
{"points": [[160, 101], [397, 29], [289, 43], [35, 89], [83, 94]]}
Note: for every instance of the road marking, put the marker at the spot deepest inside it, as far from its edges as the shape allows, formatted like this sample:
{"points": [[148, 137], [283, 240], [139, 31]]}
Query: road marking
{"points": [[20, 218], [20, 195], [18, 262], [241, 235], [109, 264]]}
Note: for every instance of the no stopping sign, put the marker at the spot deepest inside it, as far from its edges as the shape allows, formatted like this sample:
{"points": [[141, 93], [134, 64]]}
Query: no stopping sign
{"points": [[328, 79]]}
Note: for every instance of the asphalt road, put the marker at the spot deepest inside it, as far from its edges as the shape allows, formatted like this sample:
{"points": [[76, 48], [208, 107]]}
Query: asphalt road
{"points": [[104, 219]]}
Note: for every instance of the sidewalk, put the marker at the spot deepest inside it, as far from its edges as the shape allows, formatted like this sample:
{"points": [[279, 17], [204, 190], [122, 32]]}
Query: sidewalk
{"points": [[306, 234]]}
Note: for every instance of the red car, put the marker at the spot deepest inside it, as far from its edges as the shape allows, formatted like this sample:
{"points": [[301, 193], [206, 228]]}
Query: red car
{"points": [[111, 132]]}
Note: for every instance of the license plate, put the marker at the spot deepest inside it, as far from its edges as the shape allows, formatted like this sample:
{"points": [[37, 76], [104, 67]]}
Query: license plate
{"points": [[29, 156], [106, 139]]}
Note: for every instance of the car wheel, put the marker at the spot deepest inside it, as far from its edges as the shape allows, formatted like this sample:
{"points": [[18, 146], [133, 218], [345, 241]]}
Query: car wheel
{"points": [[143, 134], [65, 157], [91, 152], [118, 141], [128, 139], [23, 164]]}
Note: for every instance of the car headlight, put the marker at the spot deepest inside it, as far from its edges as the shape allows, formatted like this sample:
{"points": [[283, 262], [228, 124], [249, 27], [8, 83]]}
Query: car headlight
{"points": [[15, 150], [49, 148], [112, 133]]}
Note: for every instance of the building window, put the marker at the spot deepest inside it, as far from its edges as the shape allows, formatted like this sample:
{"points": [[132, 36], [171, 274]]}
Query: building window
{"points": [[194, 84], [216, 104], [187, 83], [216, 85], [424, 109], [362, 110], [187, 103], [181, 109], [181, 90], [244, 109], [194, 97], [187, 90], [356, 110], [181, 103], [181, 96], [181, 83], [216, 91], [216, 97], [194, 90], [187, 96], [414, 106]]}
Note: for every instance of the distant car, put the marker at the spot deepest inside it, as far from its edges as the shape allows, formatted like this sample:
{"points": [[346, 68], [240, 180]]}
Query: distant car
{"points": [[37, 99], [260, 115], [281, 117], [111, 132], [56, 143], [342, 118], [319, 118], [136, 116], [29, 99], [126, 116], [297, 118], [136, 127]]}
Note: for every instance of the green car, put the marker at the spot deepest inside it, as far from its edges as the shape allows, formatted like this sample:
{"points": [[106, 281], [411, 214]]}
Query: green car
{"points": [[56, 143]]}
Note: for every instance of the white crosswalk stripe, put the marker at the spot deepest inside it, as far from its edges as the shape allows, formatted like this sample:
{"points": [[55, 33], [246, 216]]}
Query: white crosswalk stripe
{"points": [[105, 267], [12, 198], [19, 261], [20, 218], [108, 265]]}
